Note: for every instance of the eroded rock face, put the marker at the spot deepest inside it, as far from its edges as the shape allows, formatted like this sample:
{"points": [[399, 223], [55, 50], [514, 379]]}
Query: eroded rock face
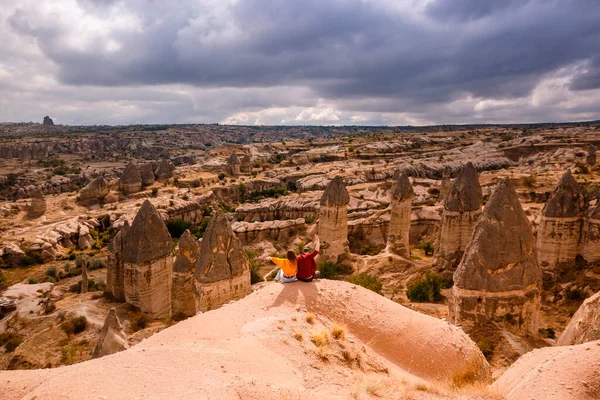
{"points": [[233, 165], [499, 274], [590, 241], [37, 208], [112, 337], [130, 181], [246, 165], [182, 290], [590, 159], [462, 208], [560, 229], [148, 263], [399, 227], [446, 183], [223, 270], [115, 280], [47, 121], [333, 220], [164, 170], [95, 191], [147, 174], [585, 324]]}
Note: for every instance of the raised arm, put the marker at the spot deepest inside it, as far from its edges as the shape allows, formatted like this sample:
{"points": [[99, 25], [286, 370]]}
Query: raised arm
{"points": [[317, 243]]}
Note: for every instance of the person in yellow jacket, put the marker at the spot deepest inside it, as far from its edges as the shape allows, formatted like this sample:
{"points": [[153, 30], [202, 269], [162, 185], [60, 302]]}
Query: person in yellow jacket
{"points": [[288, 267]]}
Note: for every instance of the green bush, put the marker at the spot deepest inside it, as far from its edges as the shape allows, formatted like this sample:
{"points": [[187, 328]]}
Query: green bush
{"points": [[331, 270], [427, 247], [10, 341], [51, 272], [221, 176], [79, 324], [255, 276], [140, 321], [309, 220], [370, 250], [32, 281], [198, 230], [154, 191], [365, 280], [426, 290], [177, 227]]}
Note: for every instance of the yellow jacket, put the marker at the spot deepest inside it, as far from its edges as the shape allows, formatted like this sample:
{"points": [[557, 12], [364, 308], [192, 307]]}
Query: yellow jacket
{"points": [[289, 268]]}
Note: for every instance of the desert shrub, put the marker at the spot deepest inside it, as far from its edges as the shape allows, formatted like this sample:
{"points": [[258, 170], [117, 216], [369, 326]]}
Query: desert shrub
{"points": [[154, 192], [140, 321], [51, 272], [79, 324], [10, 341], [581, 168], [426, 290], [309, 220], [96, 263], [255, 276], [32, 281], [486, 347], [198, 230], [177, 227], [221, 176], [370, 250], [367, 281], [427, 247], [30, 258], [331, 270], [529, 180], [547, 333], [68, 352]]}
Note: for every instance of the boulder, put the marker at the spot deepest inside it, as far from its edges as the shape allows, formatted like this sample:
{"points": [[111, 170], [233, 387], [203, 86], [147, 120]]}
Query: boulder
{"points": [[95, 191]]}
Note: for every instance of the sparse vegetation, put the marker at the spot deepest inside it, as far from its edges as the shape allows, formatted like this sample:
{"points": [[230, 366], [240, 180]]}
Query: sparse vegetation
{"points": [[310, 318], [331, 270], [75, 325], [547, 333], [140, 321], [367, 281], [426, 290], [255, 276], [10, 341], [177, 227]]}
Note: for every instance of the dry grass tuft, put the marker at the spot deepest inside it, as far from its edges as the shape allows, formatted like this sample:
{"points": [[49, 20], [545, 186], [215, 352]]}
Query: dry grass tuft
{"points": [[310, 318], [294, 318], [320, 339], [338, 332], [374, 388], [298, 336], [323, 352], [471, 375]]}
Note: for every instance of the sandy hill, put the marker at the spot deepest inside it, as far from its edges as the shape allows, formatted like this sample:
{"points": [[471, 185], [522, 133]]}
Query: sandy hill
{"points": [[326, 339]]}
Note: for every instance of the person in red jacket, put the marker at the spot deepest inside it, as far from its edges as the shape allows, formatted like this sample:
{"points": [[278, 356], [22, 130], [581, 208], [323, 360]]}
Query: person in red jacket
{"points": [[307, 266]]}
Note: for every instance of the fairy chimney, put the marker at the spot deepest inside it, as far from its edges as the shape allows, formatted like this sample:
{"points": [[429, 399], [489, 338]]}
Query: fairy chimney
{"points": [[590, 241], [246, 165], [333, 220], [446, 183], [130, 181], [233, 165], [499, 278], [560, 229], [114, 274], [147, 174], [147, 263], [182, 289], [37, 208], [164, 170], [95, 191], [590, 158], [462, 207], [399, 228], [223, 269], [112, 337]]}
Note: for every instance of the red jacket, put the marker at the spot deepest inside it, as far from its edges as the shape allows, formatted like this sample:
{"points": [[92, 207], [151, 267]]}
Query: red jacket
{"points": [[307, 265]]}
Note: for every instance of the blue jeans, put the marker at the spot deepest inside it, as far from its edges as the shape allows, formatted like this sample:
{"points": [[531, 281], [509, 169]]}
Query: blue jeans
{"points": [[280, 277]]}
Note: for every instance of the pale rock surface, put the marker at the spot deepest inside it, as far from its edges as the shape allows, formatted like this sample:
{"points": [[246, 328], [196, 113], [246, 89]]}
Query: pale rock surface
{"points": [[37, 208], [95, 191], [499, 274], [584, 325], [401, 210], [130, 181], [333, 220], [112, 337], [182, 290], [223, 269]]}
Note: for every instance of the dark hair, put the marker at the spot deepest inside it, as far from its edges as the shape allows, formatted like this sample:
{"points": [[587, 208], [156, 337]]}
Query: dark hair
{"points": [[291, 255], [306, 250]]}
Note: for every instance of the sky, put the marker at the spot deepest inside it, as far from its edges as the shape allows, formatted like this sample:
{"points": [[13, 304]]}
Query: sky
{"points": [[299, 62]]}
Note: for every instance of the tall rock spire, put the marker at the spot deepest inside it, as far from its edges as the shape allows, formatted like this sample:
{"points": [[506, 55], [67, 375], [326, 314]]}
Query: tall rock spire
{"points": [[112, 337], [130, 181], [499, 273], [333, 220], [399, 228], [184, 267]]}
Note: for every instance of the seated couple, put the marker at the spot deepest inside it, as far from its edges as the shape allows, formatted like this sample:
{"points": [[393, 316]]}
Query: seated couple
{"points": [[302, 267]]}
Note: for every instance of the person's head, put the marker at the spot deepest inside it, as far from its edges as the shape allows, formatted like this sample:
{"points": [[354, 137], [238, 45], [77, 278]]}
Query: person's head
{"points": [[291, 256], [305, 250]]}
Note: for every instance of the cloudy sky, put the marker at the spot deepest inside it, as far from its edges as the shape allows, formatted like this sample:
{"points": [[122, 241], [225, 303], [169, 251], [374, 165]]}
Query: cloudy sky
{"points": [[359, 62]]}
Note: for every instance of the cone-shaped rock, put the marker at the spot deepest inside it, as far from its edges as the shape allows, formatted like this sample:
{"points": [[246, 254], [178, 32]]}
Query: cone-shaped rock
{"points": [[560, 229], [333, 220], [130, 181], [499, 274], [164, 170], [147, 174], [233, 165], [585, 324], [399, 228], [148, 263], [223, 270], [246, 165], [37, 208], [95, 191], [112, 337], [184, 267], [462, 208]]}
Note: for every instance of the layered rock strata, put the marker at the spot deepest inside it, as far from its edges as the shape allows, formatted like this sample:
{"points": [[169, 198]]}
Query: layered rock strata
{"points": [[112, 337], [130, 181], [446, 183], [462, 208], [183, 303], [333, 220], [223, 270], [499, 278], [147, 263], [399, 227], [560, 228]]}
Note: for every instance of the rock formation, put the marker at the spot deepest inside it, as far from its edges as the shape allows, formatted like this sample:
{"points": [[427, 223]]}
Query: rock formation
{"points": [[585, 324], [499, 278], [559, 232], [147, 263], [182, 290], [590, 158], [147, 174], [130, 181], [47, 121], [164, 170], [399, 228], [333, 220], [95, 191], [590, 241], [112, 337], [246, 165], [446, 183], [233, 165], [114, 274], [223, 269], [84, 276], [37, 208], [462, 208]]}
